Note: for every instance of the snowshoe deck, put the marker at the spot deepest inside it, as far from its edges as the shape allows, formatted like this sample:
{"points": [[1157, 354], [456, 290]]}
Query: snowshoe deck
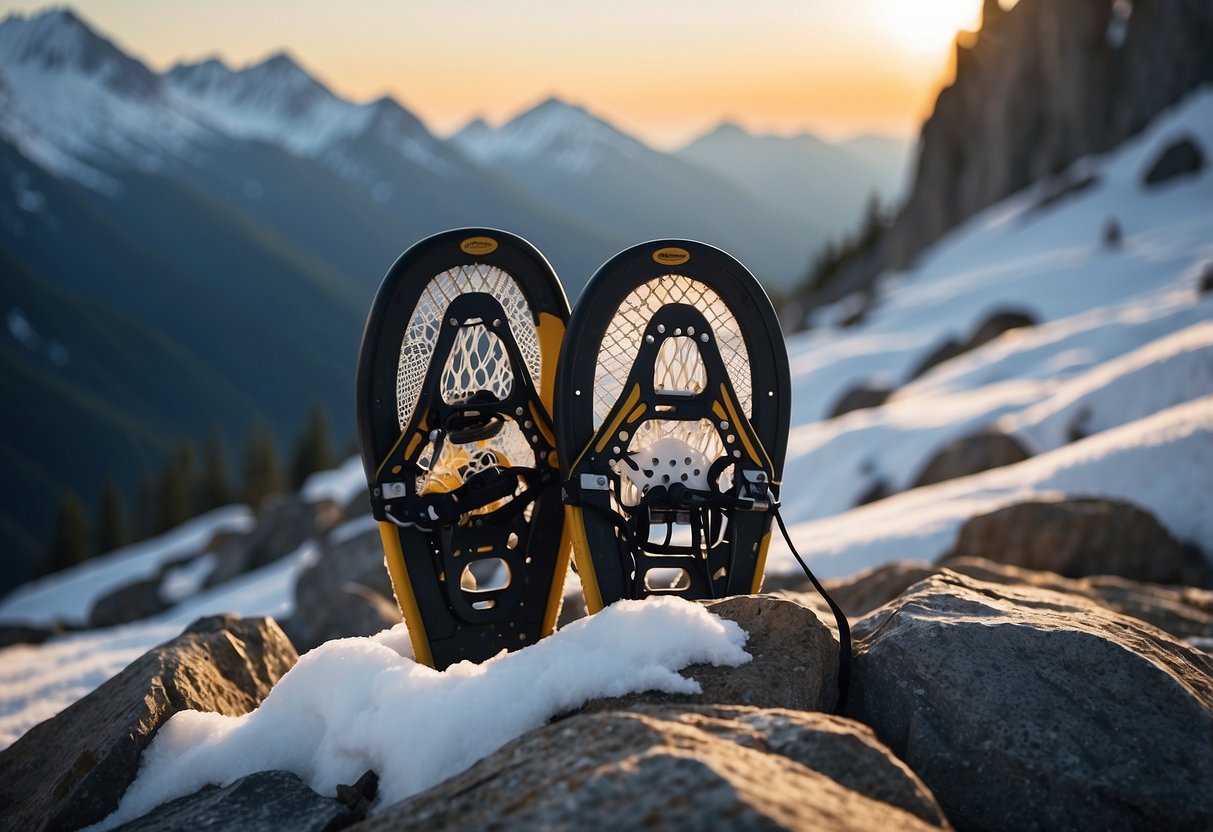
{"points": [[455, 382], [672, 413]]}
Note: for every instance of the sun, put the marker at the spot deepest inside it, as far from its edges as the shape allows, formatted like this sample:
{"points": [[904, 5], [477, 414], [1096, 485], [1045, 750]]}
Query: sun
{"points": [[927, 26]]}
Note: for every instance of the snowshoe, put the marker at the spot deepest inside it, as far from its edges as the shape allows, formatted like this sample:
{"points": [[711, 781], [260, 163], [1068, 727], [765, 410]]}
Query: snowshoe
{"points": [[672, 412], [455, 382]]}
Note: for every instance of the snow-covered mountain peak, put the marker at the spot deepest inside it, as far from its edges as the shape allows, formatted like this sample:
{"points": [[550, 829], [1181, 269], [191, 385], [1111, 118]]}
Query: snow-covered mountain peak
{"points": [[274, 100], [554, 133], [200, 76], [58, 42]]}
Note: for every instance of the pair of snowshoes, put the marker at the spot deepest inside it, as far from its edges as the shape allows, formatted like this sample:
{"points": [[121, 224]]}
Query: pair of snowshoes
{"points": [[645, 433]]}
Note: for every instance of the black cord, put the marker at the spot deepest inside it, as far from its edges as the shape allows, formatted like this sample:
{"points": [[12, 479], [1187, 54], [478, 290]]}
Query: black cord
{"points": [[844, 629]]}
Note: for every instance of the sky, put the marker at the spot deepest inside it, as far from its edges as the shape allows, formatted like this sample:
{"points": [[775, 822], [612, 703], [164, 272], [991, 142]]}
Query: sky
{"points": [[665, 70]]}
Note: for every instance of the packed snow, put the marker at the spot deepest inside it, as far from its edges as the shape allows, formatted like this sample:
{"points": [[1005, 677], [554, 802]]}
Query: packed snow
{"points": [[357, 704]]}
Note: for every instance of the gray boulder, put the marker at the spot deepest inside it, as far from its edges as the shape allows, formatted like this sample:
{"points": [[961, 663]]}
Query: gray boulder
{"points": [[349, 610], [1023, 708], [795, 662], [971, 454], [128, 603], [990, 327], [71, 770], [1078, 537], [1184, 612], [268, 801], [860, 397], [1183, 157], [284, 523], [680, 767], [346, 592]]}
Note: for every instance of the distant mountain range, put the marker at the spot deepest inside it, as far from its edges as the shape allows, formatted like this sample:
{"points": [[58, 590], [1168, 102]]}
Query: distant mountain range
{"points": [[200, 246]]}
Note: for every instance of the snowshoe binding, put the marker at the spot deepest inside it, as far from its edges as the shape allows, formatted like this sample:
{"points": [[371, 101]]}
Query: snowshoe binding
{"points": [[455, 382], [672, 412]]}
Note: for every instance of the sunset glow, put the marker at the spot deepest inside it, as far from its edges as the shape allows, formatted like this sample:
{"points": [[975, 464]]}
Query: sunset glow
{"points": [[664, 70]]}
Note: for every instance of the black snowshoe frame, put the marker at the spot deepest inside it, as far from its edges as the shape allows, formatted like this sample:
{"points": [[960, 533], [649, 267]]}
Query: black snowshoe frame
{"points": [[494, 522], [724, 524]]}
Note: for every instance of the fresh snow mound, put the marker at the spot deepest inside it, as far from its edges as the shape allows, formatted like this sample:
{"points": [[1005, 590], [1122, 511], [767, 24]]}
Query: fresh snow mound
{"points": [[357, 704]]}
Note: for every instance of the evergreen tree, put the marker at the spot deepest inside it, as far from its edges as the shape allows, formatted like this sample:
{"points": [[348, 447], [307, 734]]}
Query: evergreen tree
{"points": [[69, 540], [147, 510], [215, 488], [111, 518], [177, 482], [314, 447], [262, 470]]}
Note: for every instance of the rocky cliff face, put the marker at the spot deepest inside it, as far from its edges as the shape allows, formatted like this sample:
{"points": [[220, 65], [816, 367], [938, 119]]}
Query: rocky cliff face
{"points": [[1038, 87]]}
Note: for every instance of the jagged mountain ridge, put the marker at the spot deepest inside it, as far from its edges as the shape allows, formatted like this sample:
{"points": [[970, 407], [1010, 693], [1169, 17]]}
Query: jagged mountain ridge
{"points": [[1040, 86], [564, 155]]}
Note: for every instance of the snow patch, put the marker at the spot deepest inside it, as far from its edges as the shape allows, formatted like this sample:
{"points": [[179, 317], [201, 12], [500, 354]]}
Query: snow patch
{"points": [[357, 704], [68, 596]]}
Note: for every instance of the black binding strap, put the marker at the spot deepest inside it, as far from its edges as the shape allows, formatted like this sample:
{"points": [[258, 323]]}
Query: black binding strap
{"points": [[844, 629], [431, 511], [680, 496]]}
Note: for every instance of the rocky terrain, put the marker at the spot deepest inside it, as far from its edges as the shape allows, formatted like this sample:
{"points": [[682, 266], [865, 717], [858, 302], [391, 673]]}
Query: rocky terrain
{"points": [[984, 696]]}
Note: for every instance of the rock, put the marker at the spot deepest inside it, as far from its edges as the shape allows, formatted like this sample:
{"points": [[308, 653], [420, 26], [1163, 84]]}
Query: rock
{"points": [[13, 634], [346, 592], [1078, 537], [70, 770], [1059, 188], [971, 454], [284, 523], [359, 796], [349, 610], [1180, 158], [997, 323], [572, 607], [878, 490], [230, 551], [1184, 612], [860, 397], [858, 594], [992, 326], [944, 351], [1022, 708], [268, 801], [356, 558], [795, 662], [666, 767], [129, 603]]}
